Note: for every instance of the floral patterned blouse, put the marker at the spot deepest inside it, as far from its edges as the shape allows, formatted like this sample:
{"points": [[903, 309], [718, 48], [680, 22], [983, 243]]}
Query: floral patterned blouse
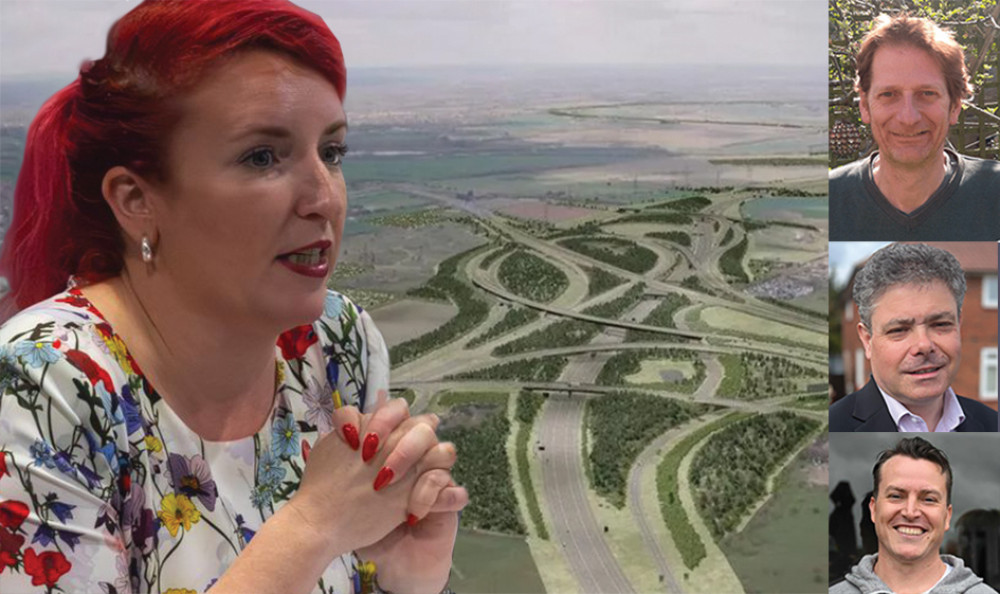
{"points": [[104, 489]]}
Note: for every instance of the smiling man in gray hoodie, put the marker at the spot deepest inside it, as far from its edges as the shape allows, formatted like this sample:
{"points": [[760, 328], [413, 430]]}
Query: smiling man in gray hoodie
{"points": [[911, 510]]}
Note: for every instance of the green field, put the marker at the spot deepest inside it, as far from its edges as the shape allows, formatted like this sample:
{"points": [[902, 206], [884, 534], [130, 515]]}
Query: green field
{"points": [[387, 200], [807, 207], [490, 563], [790, 531], [423, 168]]}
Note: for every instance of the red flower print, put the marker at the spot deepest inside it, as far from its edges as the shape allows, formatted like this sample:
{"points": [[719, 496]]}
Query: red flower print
{"points": [[46, 568], [306, 448], [10, 548], [76, 299], [296, 342], [3, 465], [12, 514], [94, 372]]}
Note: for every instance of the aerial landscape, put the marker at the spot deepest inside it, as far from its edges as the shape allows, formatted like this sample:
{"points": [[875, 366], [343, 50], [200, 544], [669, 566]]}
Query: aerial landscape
{"points": [[615, 299]]}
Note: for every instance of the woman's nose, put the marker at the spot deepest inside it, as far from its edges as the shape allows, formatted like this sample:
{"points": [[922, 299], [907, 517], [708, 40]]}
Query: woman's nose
{"points": [[320, 190]]}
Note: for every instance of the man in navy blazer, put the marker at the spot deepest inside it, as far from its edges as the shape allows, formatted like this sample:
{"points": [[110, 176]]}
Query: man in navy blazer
{"points": [[909, 299]]}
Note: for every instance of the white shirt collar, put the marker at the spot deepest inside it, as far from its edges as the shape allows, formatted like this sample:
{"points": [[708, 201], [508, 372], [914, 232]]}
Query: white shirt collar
{"points": [[906, 422]]}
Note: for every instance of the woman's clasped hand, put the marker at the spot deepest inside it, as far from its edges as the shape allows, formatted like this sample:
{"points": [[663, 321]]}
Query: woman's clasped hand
{"points": [[395, 499]]}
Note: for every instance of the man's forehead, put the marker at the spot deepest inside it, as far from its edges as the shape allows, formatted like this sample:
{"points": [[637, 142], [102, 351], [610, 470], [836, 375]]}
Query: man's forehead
{"points": [[896, 65], [899, 294], [901, 471]]}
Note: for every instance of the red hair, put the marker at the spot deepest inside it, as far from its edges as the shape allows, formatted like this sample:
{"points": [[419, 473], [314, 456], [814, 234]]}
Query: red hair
{"points": [[121, 111]]}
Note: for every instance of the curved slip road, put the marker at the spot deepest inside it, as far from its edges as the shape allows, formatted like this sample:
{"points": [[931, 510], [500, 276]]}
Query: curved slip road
{"points": [[649, 458], [573, 523]]}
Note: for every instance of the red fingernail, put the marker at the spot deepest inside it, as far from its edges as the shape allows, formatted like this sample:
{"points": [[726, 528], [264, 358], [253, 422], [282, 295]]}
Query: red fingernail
{"points": [[383, 477], [412, 520], [351, 435], [371, 444]]}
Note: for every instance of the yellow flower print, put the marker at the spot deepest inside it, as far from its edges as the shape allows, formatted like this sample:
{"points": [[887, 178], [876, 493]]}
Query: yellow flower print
{"points": [[117, 348], [177, 511], [153, 444], [279, 373]]}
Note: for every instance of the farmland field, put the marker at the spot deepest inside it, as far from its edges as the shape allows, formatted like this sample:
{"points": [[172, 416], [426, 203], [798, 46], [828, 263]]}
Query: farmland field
{"points": [[789, 531]]}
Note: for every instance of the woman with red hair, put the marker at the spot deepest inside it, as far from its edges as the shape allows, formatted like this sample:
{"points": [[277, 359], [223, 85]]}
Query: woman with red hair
{"points": [[183, 404]]}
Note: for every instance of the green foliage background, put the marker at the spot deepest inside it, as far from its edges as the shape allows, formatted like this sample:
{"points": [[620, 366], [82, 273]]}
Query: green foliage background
{"points": [[970, 20]]}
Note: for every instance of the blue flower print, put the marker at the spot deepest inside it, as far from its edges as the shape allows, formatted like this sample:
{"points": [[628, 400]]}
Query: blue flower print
{"points": [[63, 463], [108, 450], [92, 478], [45, 535], [42, 453], [110, 403], [36, 353], [285, 437], [133, 417], [246, 533], [261, 496], [270, 472], [69, 538], [8, 368], [333, 305], [63, 511]]}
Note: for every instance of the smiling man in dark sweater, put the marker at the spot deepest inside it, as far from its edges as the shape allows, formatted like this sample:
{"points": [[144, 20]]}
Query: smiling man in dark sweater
{"points": [[911, 82]]}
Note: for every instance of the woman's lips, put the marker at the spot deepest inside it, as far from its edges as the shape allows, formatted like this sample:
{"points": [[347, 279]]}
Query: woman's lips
{"points": [[317, 270], [311, 260]]}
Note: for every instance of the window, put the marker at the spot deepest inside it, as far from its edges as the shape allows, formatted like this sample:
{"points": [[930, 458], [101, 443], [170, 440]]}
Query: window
{"points": [[988, 373], [990, 291], [859, 369], [849, 311]]}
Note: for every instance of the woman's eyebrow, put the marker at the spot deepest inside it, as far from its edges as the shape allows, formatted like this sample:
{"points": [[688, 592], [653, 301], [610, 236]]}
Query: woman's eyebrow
{"points": [[281, 132], [274, 131], [334, 127]]}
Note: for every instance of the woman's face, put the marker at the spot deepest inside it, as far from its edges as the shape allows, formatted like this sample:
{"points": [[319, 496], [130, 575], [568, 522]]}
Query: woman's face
{"points": [[250, 218]]}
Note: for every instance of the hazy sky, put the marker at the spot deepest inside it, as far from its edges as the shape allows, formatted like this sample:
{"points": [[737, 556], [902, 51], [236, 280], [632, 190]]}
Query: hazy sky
{"points": [[54, 36], [845, 254]]}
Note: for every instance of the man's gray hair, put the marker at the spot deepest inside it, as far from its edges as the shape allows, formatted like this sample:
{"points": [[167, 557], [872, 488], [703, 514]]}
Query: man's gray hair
{"points": [[903, 264]]}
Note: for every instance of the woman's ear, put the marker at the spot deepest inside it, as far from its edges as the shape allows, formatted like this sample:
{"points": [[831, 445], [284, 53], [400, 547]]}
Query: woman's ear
{"points": [[131, 200]]}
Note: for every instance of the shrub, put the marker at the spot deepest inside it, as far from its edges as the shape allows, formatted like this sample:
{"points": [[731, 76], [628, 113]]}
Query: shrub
{"points": [[514, 318], [544, 369], [730, 473], [623, 424], [615, 251], [531, 277]]}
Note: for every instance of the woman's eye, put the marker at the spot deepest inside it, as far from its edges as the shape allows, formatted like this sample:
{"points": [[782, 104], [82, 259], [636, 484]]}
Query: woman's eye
{"points": [[260, 158], [333, 154]]}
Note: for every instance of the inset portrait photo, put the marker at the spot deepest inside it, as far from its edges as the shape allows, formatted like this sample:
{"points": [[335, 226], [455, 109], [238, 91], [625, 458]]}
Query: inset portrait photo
{"points": [[913, 128], [913, 337], [914, 513]]}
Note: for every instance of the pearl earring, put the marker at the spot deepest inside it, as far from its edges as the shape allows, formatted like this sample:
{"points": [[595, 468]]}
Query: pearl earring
{"points": [[147, 250]]}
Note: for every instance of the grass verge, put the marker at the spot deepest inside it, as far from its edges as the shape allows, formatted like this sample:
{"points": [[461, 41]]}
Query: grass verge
{"points": [[691, 548]]}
